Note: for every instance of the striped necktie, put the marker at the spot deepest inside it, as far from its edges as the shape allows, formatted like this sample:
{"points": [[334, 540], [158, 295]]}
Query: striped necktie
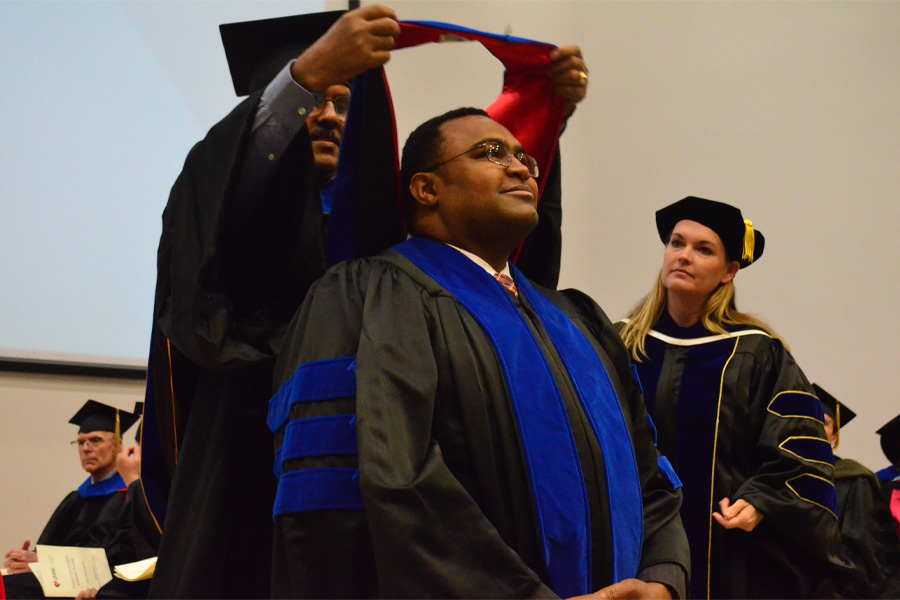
{"points": [[507, 282]]}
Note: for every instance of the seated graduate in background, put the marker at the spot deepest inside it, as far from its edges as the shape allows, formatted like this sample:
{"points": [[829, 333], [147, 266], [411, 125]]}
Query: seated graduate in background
{"points": [[869, 537], [447, 430], [890, 476], [94, 515]]}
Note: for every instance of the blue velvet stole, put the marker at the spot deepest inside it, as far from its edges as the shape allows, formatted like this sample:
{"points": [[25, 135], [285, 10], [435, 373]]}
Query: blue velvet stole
{"points": [[104, 488], [548, 444]]}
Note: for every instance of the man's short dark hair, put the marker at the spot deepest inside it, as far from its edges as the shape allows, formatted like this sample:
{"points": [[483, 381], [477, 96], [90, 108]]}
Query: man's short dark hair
{"points": [[423, 149]]}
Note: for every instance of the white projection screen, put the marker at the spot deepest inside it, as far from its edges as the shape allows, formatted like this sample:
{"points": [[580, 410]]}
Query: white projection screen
{"points": [[101, 103]]}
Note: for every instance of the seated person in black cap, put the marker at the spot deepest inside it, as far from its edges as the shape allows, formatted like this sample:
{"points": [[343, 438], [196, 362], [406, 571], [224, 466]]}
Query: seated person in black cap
{"points": [[869, 537], [95, 515], [244, 236], [890, 475], [735, 414], [890, 488], [890, 445]]}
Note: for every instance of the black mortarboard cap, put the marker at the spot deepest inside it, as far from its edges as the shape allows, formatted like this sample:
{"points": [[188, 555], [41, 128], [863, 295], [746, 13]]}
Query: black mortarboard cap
{"points": [[258, 50], [742, 242], [836, 409], [96, 416], [890, 440]]}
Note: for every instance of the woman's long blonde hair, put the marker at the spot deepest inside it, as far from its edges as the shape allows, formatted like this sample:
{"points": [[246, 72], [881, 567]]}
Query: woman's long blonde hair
{"points": [[720, 310]]}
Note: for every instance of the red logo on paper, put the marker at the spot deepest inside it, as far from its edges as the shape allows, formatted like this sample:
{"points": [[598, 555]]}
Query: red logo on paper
{"points": [[55, 584]]}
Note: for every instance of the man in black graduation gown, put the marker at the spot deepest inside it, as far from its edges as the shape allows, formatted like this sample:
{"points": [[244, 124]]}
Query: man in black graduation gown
{"points": [[441, 435], [243, 238], [96, 514]]}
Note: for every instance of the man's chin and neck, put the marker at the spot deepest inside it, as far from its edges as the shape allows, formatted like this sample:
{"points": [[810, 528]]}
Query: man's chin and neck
{"points": [[495, 250], [99, 474]]}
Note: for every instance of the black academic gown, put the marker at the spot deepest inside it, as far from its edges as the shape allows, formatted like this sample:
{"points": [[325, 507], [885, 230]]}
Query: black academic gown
{"points": [[869, 537], [218, 318], [737, 413], [229, 279], [88, 519], [446, 507]]}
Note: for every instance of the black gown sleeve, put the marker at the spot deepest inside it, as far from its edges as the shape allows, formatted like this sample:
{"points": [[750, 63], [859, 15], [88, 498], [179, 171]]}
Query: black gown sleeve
{"points": [[779, 465], [230, 275], [232, 268]]}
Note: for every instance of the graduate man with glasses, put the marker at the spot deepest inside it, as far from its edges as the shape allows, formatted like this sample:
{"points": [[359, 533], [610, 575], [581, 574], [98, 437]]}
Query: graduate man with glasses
{"points": [[447, 429], [96, 515]]}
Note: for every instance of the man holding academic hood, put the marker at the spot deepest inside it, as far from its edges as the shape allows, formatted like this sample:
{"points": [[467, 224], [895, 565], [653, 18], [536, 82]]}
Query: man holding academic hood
{"points": [[868, 538], [95, 515], [248, 227]]}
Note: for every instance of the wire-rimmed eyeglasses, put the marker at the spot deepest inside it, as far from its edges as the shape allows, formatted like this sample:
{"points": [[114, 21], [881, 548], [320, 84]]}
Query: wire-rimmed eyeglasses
{"points": [[498, 153], [91, 442], [340, 103]]}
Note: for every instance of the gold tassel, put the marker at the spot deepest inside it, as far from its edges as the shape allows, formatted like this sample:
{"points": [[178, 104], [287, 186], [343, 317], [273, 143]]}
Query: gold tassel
{"points": [[118, 435], [749, 241], [837, 424]]}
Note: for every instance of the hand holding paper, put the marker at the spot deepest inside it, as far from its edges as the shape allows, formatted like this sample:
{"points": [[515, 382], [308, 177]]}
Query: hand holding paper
{"points": [[65, 571]]}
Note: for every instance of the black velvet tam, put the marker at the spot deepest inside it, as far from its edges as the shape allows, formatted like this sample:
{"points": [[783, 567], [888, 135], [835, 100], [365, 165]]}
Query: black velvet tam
{"points": [[726, 220], [258, 50], [830, 405], [96, 416]]}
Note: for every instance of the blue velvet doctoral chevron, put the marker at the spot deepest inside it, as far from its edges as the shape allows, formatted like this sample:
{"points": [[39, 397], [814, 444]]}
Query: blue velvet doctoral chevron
{"points": [[318, 436], [104, 488], [809, 448], [322, 488], [329, 488], [312, 381], [797, 405], [816, 490], [557, 481]]}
